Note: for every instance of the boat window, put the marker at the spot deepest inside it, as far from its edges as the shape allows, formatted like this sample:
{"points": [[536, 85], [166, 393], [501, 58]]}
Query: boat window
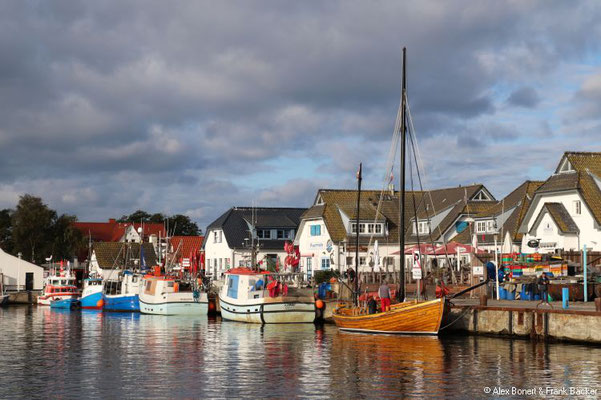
{"points": [[148, 284]]}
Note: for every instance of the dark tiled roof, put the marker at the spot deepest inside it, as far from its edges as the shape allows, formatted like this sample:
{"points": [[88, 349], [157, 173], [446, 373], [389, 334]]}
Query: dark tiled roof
{"points": [[426, 203], [519, 199], [314, 212], [587, 166], [119, 255], [236, 221], [559, 182], [560, 215]]}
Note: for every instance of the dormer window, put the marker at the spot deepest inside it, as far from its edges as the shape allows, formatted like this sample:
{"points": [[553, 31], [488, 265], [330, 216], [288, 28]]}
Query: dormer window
{"points": [[367, 228], [487, 226], [422, 228]]}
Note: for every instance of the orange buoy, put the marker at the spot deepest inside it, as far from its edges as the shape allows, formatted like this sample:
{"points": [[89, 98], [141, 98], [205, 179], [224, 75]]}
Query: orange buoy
{"points": [[319, 304], [333, 280]]}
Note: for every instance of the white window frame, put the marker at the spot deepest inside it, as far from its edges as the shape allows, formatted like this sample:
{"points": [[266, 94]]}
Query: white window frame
{"points": [[481, 226]]}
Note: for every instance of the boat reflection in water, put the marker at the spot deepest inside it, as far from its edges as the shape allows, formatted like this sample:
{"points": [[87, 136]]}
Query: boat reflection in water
{"points": [[61, 354], [386, 364]]}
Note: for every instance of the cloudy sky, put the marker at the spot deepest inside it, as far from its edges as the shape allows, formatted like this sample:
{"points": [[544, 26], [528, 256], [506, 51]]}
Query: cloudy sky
{"points": [[194, 107]]}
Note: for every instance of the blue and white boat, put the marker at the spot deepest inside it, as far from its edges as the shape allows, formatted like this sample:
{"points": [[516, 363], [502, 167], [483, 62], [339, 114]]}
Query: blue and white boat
{"points": [[122, 294], [65, 304], [91, 296]]}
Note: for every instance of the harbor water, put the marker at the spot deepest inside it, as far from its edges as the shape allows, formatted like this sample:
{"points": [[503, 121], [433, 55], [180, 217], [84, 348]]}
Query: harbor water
{"points": [[50, 353]]}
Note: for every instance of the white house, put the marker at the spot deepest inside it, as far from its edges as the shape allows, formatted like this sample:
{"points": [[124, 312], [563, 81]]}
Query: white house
{"points": [[19, 274], [230, 239], [327, 232], [565, 213]]}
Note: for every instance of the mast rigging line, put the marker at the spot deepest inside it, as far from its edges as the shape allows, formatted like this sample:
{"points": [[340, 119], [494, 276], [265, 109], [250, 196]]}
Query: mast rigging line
{"points": [[419, 163]]}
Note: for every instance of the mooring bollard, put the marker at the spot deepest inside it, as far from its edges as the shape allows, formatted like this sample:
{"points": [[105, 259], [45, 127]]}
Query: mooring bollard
{"points": [[565, 295], [598, 304], [484, 300]]}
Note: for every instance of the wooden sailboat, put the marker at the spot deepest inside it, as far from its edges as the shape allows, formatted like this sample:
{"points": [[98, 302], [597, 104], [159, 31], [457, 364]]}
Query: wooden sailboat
{"points": [[407, 317]]}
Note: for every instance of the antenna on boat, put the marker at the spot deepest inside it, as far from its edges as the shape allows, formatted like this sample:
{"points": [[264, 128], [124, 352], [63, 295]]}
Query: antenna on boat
{"points": [[356, 290], [401, 292]]}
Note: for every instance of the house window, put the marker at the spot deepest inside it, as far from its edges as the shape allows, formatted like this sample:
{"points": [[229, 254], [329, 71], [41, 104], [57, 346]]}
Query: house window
{"points": [[349, 261], [490, 226], [481, 226], [217, 237], [325, 263], [422, 227], [577, 207], [361, 228], [264, 233], [370, 228], [315, 230], [378, 228], [285, 234], [362, 260]]}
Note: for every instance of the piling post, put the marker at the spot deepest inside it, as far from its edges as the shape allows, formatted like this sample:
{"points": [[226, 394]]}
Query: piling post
{"points": [[585, 295]]}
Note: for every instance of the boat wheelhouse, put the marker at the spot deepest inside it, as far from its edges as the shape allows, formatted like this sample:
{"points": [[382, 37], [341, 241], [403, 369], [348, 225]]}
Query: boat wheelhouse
{"points": [[166, 295], [262, 297], [58, 287], [123, 294], [91, 295]]}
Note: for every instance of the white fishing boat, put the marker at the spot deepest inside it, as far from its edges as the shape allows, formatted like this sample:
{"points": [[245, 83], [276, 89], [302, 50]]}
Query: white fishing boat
{"points": [[58, 287], [259, 297], [166, 295]]}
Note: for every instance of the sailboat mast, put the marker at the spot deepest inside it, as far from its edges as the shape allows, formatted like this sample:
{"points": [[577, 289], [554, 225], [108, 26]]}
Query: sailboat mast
{"points": [[401, 293], [356, 294]]}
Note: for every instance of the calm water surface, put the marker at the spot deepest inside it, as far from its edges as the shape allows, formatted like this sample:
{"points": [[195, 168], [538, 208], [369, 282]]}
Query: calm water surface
{"points": [[46, 353]]}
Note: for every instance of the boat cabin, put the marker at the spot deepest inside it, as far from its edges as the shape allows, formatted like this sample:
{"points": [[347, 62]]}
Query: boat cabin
{"points": [[60, 281], [246, 284], [162, 285]]}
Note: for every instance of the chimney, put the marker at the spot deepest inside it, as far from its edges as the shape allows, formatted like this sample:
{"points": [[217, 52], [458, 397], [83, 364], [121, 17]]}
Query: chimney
{"points": [[112, 221]]}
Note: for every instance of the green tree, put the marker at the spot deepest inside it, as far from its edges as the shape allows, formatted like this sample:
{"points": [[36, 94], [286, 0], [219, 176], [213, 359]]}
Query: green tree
{"points": [[32, 224], [157, 218], [137, 216], [6, 239], [66, 239], [182, 225]]}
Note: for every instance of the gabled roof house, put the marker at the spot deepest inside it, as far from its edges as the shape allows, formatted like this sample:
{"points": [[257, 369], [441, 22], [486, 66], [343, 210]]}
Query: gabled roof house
{"points": [[565, 212], [230, 238]]}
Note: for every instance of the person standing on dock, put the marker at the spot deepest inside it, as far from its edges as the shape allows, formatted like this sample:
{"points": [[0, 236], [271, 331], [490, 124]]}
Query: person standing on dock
{"points": [[543, 284], [384, 293]]}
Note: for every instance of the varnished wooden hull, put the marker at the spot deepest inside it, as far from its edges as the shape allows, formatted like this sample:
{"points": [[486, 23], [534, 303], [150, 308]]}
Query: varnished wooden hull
{"points": [[403, 318]]}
